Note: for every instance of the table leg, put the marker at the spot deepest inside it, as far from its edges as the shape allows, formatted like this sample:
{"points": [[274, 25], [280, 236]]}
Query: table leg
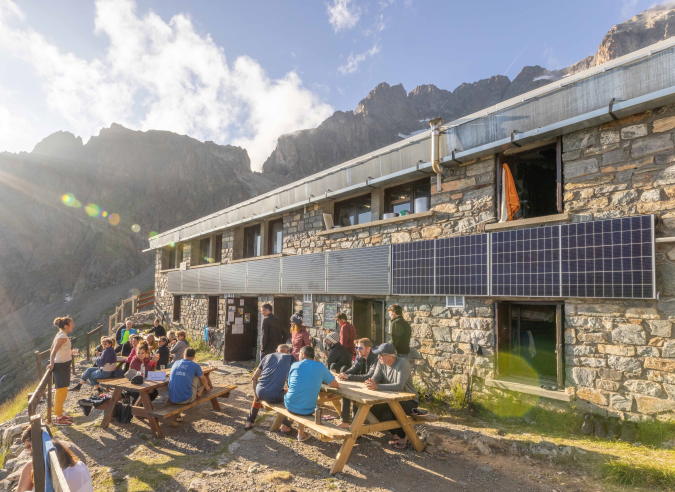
{"points": [[407, 427], [107, 417], [348, 444], [152, 421], [277, 423]]}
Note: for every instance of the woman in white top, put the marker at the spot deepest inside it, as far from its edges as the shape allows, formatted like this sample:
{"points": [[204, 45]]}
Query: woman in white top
{"points": [[75, 472], [60, 358]]}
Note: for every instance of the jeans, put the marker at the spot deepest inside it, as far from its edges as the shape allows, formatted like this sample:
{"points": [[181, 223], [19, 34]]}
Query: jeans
{"points": [[383, 413], [93, 374]]}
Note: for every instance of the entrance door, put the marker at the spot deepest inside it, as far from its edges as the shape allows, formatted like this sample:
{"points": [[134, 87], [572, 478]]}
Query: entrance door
{"points": [[213, 312], [241, 336], [368, 315], [283, 309]]}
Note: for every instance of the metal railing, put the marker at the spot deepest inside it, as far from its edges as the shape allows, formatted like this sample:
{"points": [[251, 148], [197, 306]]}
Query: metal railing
{"points": [[98, 330]]}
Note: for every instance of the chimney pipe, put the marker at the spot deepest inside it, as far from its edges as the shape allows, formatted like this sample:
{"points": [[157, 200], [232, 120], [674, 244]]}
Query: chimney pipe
{"points": [[435, 149]]}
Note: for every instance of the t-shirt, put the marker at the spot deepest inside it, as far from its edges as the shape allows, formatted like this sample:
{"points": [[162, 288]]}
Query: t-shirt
{"points": [[179, 349], [274, 369], [78, 478], [63, 354], [127, 333], [304, 384], [180, 380]]}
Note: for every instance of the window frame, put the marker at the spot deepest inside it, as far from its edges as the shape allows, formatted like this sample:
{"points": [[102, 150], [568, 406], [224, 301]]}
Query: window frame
{"points": [[202, 258], [271, 236], [255, 228], [171, 260], [217, 252], [354, 201], [412, 186]]}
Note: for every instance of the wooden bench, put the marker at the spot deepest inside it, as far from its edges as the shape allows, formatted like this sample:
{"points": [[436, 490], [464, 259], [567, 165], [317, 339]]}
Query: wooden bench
{"points": [[172, 410], [327, 432]]}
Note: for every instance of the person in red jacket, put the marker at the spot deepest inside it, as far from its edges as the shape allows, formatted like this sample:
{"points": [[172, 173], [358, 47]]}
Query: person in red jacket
{"points": [[347, 333]]}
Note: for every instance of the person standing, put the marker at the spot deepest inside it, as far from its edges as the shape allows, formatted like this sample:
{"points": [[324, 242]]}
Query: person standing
{"points": [[347, 333], [299, 336], [400, 331], [272, 332], [60, 359]]}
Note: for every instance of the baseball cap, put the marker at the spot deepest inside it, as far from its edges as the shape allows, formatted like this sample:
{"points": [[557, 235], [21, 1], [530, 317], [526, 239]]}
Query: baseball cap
{"points": [[385, 348]]}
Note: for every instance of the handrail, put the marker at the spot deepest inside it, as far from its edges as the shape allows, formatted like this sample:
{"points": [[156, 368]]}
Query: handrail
{"points": [[58, 480], [97, 329], [45, 383]]}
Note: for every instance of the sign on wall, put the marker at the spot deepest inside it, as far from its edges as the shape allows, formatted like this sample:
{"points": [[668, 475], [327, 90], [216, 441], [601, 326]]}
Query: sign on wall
{"points": [[329, 313], [308, 314]]}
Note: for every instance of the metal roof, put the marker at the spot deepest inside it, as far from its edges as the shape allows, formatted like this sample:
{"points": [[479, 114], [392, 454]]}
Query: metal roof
{"points": [[640, 80]]}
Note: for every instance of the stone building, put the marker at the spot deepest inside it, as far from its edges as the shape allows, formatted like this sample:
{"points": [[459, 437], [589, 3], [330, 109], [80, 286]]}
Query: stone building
{"points": [[574, 300]]}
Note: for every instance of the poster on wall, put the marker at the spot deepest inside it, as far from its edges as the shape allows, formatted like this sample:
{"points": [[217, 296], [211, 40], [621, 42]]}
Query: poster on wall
{"points": [[239, 321], [247, 318], [241, 302], [308, 314], [230, 317], [240, 311], [329, 313], [237, 329], [230, 301]]}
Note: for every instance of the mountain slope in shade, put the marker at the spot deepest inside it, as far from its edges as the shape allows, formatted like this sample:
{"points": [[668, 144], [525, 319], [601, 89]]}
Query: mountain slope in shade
{"points": [[387, 113]]}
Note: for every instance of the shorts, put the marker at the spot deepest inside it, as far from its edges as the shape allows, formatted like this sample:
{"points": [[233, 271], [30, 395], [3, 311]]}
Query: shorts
{"points": [[196, 385]]}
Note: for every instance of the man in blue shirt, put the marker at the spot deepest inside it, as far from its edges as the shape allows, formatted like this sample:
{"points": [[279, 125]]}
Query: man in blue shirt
{"points": [[187, 380], [269, 380], [304, 384]]}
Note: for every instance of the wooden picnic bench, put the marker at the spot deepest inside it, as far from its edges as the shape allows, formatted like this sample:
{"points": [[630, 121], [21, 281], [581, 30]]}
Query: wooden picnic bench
{"points": [[143, 407], [364, 399]]}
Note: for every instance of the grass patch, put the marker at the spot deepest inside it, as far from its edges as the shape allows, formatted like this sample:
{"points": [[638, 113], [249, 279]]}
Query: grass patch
{"points": [[279, 476], [202, 350], [627, 473], [656, 432], [18, 403]]}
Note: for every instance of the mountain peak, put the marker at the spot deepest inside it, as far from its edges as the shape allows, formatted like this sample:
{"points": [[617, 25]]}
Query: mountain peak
{"points": [[59, 144]]}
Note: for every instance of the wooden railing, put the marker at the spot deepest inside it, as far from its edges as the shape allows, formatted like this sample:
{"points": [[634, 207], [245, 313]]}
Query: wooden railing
{"points": [[40, 356], [98, 330], [45, 386], [58, 480], [137, 302], [145, 299]]}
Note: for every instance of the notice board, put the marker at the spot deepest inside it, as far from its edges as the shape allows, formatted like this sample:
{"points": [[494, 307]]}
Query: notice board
{"points": [[308, 314], [329, 313]]}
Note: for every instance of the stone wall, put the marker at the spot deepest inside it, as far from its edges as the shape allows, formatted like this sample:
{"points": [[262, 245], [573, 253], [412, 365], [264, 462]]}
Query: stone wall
{"points": [[620, 355]]}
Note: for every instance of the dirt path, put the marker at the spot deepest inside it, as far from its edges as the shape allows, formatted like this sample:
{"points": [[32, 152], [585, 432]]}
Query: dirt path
{"points": [[211, 451]]}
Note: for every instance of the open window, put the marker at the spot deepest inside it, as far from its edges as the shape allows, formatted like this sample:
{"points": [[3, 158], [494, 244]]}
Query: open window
{"points": [[252, 242], [275, 237], [530, 340], [354, 211], [537, 177], [176, 308], [410, 198]]}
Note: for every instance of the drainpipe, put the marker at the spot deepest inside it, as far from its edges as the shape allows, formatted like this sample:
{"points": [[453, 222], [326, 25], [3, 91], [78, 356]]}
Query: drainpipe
{"points": [[435, 149]]}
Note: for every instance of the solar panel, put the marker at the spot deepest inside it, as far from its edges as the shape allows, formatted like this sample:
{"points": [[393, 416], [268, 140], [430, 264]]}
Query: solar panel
{"points": [[462, 266], [526, 262], [608, 258], [413, 268]]}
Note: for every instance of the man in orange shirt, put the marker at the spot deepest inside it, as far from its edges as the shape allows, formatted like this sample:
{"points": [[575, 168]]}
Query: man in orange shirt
{"points": [[347, 333]]}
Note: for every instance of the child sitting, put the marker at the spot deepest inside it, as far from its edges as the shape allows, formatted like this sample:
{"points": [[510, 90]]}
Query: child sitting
{"points": [[105, 366], [134, 339], [142, 358]]}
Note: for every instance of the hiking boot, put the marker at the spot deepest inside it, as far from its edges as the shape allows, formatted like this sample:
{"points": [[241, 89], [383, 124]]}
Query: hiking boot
{"points": [[600, 428], [587, 427], [77, 387]]}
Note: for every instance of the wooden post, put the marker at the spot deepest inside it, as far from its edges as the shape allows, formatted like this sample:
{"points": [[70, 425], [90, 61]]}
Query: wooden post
{"points": [[37, 454], [39, 364], [49, 401], [133, 305]]}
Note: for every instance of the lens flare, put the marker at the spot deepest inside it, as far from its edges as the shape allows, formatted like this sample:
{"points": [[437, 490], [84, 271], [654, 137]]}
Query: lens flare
{"points": [[172, 245], [69, 200], [104, 214], [136, 228], [508, 406], [152, 234], [92, 210], [114, 219]]}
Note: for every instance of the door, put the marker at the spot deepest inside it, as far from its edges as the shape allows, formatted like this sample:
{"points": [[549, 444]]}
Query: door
{"points": [[213, 312], [241, 336], [283, 309], [368, 315]]}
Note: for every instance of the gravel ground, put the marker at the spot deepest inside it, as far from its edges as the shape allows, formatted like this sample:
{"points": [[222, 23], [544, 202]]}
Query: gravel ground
{"points": [[211, 451]]}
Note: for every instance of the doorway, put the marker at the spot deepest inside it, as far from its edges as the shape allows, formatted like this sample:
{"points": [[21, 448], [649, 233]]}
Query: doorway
{"points": [[212, 321], [368, 316], [241, 329], [283, 309], [530, 342]]}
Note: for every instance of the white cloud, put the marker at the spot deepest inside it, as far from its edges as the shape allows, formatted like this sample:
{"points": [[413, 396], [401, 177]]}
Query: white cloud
{"points": [[386, 3], [163, 76], [16, 132], [354, 61], [343, 14], [628, 8]]}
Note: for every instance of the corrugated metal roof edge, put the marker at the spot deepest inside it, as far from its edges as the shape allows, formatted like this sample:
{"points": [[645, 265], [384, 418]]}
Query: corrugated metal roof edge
{"points": [[602, 116]]}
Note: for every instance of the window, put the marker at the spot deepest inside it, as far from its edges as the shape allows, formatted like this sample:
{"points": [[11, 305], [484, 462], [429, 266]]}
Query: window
{"points": [[410, 198], [172, 257], [252, 241], [204, 256], [354, 211], [276, 235], [454, 301], [306, 297], [218, 249], [176, 308]]}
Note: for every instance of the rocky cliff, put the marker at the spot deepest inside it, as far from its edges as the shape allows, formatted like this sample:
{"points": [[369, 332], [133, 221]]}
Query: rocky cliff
{"points": [[388, 113]]}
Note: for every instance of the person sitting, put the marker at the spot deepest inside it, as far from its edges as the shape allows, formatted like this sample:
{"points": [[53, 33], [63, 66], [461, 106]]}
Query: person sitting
{"points": [[152, 343], [142, 359], [269, 380], [133, 341], [158, 330], [179, 346], [124, 335], [339, 358], [187, 380], [163, 352], [304, 383], [362, 370], [105, 366], [299, 336], [392, 374]]}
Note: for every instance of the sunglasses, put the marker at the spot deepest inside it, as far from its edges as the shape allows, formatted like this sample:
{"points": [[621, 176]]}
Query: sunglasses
{"points": [[359, 348]]}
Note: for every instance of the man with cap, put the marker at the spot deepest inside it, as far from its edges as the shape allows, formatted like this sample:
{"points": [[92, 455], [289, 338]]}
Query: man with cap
{"points": [[339, 357], [392, 374]]}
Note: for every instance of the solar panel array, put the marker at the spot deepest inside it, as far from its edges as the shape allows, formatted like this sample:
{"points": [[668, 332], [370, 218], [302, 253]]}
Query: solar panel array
{"points": [[608, 258], [413, 268], [462, 266], [526, 262]]}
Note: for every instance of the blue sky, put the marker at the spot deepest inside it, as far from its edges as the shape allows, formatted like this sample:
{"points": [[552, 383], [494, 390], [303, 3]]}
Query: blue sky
{"points": [[245, 72]]}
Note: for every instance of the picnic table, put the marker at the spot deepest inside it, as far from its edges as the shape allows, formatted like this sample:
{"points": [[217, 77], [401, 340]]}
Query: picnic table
{"points": [[143, 407], [365, 399]]}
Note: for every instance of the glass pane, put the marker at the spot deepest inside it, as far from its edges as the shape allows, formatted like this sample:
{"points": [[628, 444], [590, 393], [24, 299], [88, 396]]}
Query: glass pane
{"points": [[347, 215], [422, 196], [364, 211], [399, 200], [204, 251], [252, 242], [277, 233]]}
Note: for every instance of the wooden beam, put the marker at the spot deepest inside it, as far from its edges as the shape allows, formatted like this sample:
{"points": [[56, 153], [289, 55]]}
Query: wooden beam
{"points": [[534, 221], [37, 454]]}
